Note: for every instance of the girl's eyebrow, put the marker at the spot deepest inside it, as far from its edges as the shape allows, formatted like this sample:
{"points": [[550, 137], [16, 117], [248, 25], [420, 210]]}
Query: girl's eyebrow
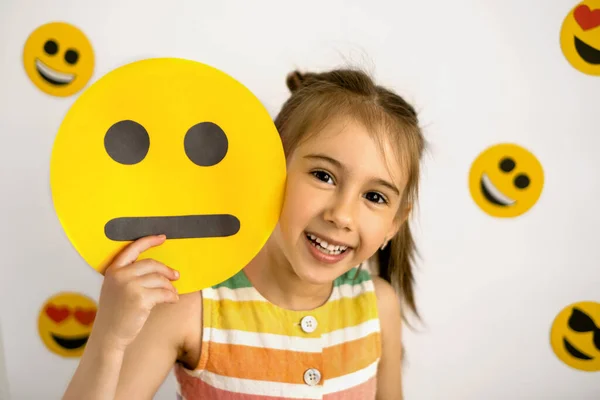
{"points": [[341, 166]]}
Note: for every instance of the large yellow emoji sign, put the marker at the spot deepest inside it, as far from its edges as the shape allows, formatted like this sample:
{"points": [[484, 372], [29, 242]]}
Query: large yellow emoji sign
{"points": [[506, 180], [59, 59], [580, 37], [175, 147], [65, 323], [575, 336]]}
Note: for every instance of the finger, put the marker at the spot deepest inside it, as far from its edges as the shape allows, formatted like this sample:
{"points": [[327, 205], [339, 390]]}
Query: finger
{"points": [[130, 253], [160, 295], [149, 266], [155, 281]]}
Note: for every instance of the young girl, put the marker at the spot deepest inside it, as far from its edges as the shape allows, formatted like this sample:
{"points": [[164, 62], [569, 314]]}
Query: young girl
{"points": [[305, 319]]}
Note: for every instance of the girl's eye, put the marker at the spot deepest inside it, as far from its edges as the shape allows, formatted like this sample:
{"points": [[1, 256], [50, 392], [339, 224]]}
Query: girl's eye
{"points": [[323, 176], [376, 198]]}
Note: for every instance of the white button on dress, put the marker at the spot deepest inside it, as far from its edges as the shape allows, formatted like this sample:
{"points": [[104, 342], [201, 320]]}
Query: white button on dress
{"points": [[308, 324], [312, 377]]}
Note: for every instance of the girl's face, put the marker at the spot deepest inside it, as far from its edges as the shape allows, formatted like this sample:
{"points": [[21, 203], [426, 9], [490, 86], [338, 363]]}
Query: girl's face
{"points": [[340, 193]]}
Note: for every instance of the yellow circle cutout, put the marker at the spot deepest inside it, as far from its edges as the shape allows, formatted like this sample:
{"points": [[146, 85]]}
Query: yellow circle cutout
{"points": [[59, 59], [65, 323], [580, 37], [175, 147], [575, 336], [506, 180]]}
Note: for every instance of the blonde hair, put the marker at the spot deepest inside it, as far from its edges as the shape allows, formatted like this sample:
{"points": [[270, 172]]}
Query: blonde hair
{"points": [[316, 98]]}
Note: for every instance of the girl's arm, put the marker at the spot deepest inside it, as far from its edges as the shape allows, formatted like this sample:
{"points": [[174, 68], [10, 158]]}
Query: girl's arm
{"points": [[389, 374], [139, 329], [169, 334], [172, 333]]}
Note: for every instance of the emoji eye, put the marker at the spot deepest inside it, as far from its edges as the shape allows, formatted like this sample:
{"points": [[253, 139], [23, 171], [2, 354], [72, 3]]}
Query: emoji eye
{"points": [[522, 181], [50, 47], [71, 56], [507, 164], [205, 144], [127, 142], [57, 314]]}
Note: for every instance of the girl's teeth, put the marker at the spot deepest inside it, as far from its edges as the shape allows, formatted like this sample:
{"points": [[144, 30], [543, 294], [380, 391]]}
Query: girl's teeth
{"points": [[325, 247]]}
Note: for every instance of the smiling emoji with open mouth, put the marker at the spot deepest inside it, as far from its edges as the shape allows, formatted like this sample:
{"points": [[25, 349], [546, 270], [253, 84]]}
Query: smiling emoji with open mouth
{"points": [[580, 37], [506, 180], [65, 323], [59, 59], [575, 336]]}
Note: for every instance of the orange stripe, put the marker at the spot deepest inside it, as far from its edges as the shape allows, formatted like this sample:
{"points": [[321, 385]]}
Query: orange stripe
{"points": [[289, 366], [352, 356], [265, 364]]}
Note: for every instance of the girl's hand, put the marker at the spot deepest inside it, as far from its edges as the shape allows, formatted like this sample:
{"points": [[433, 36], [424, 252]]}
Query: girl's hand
{"points": [[129, 292]]}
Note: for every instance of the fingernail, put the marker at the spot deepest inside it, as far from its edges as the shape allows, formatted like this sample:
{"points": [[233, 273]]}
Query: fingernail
{"points": [[176, 273]]}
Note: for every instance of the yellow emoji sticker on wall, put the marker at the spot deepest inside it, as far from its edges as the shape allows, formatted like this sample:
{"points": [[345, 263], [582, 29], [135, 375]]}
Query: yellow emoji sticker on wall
{"points": [[575, 336], [506, 180], [174, 147], [65, 323], [59, 59], [580, 37]]}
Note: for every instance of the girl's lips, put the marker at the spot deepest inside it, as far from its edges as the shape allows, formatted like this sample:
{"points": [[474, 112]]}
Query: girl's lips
{"points": [[322, 257]]}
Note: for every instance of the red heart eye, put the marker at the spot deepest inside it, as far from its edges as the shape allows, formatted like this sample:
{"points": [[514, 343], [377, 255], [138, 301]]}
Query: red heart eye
{"points": [[57, 314], [586, 18], [85, 317]]}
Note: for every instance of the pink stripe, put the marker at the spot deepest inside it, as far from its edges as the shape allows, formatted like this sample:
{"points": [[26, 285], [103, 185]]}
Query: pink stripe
{"points": [[193, 388], [364, 391]]}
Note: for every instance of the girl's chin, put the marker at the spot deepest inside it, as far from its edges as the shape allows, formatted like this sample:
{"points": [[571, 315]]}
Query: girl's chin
{"points": [[317, 275]]}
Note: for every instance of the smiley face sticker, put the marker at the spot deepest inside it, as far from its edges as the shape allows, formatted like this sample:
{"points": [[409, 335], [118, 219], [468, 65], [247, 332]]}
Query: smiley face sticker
{"points": [[59, 59], [65, 323], [580, 37], [575, 336], [506, 180], [175, 147]]}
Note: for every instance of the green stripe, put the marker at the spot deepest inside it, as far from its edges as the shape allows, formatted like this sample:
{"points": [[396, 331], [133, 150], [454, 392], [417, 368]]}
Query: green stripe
{"points": [[350, 277], [240, 281]]}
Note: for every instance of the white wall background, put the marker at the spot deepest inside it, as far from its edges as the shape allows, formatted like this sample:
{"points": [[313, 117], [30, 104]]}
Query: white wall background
{"points": [[480, 72], [4, 387]]}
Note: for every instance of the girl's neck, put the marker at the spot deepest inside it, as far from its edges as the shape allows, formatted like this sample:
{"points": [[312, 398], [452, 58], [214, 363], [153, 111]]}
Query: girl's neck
{"points": [[272, 275]]}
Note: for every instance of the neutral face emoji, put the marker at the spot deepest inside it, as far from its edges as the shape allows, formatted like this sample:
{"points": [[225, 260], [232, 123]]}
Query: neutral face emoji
{"points": [[575, 336], [580, 37], [506, 180], [174, 147], [65, 323], [59, 59]]}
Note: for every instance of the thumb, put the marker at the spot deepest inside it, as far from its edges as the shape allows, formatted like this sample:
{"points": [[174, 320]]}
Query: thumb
{"points": [[130, 253]]}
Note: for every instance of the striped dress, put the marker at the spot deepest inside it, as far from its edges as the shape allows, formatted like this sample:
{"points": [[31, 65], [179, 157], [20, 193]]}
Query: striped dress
{"points": [[255, 350]]}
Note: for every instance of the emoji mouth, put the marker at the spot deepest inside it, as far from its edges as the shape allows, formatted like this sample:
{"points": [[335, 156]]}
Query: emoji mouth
{"points": [[586, 52], [492, 194], [52, 76], [574, 352], [179, 227], [70, 343]]}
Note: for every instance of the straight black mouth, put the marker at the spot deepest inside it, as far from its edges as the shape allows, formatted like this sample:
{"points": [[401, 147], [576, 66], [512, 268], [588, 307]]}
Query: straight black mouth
{"points": [[70, 343], [586, 52], [574, 352], [177, 227]]}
